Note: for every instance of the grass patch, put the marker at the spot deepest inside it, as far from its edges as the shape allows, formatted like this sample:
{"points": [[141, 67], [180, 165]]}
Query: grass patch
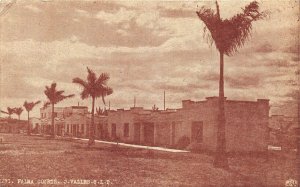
{"points": [[5, 148], [39, 158]]}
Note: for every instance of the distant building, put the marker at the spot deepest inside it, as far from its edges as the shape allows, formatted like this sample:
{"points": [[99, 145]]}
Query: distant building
{"points": [[246, 124], [46, 118], [10, 125], [283, 130], [283, 122]]}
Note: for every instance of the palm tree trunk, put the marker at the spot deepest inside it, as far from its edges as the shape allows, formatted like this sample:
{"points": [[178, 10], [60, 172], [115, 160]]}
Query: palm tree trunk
{"points": [[92, 134], [52, 121], [28, 127], [221, 160]]}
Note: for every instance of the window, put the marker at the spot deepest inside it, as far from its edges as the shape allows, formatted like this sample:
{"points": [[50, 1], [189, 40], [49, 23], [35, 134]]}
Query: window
{"points": [[173, 133], [113, 130], [82, 128], [126, 130]]}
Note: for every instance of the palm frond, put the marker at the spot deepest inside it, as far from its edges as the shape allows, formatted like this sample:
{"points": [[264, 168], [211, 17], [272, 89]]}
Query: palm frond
{"points": [[85, 94], [91, 77], [18, 110], [37, 102], [62, 97], [103, 100], [106, 91], [103, 78], [26, 105], [80, 82], [46, 104], [53, 86], [69, 96], [4, 112], [10, 110], [60, 92]]}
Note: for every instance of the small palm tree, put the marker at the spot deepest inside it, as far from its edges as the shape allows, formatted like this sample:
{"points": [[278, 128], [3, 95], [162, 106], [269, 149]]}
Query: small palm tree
{"points": [[154, 108], [54, 96], [18, 111], [228, 35], [101, 112], [28, 107], [9, 112], [94, 87]]}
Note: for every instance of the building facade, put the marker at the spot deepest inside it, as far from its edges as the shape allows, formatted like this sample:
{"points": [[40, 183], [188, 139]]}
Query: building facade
{"points": [[246, 124]]}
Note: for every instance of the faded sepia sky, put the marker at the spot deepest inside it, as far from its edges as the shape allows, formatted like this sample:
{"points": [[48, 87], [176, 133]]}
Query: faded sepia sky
{"points": [[146, 47]]}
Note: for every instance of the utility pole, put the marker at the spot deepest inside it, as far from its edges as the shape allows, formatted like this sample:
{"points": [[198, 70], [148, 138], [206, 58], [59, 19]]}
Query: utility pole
{"points": [[134, 101], [164, 100]]}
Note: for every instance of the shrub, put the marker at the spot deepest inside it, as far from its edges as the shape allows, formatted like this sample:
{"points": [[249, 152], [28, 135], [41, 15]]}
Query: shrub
{"points": [[183, 142], [195, 147]]}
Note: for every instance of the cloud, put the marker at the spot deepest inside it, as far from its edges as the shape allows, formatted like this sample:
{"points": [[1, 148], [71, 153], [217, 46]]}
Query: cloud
{"points": [[33, 8], [265, 48], [243, 81], [177, 13], [81, 12], [281, 63], [293, 94], [120, 16], [145, 52]]}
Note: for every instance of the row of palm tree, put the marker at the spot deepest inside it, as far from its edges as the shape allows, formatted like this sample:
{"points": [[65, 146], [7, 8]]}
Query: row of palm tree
{"points": [[92, 87], [18, 111], [10, 111]]}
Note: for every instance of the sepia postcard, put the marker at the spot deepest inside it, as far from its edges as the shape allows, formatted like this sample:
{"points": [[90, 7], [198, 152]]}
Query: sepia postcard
{"points": [[149, 93]]}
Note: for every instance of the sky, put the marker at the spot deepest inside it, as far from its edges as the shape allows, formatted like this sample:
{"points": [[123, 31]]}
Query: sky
{"points": [[146, 47]]}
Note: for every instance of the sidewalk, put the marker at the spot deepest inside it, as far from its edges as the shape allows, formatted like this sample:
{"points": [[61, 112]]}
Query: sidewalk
{"points": [[136, 146], [127, 145]]}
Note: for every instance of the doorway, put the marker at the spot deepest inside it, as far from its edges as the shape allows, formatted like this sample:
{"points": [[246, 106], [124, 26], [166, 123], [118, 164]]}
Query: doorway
{"points": [[197, 131], [149, 133], [137, 133]]}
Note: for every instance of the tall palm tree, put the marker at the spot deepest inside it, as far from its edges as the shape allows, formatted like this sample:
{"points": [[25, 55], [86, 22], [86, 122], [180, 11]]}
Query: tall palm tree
{"points": [[228, 35], [9, 112], [28, 107], [54, 96], [18, 111], [94, 87]]}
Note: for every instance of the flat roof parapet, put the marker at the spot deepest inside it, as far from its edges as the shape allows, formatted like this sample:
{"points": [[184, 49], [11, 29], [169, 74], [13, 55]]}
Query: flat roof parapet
{"points": [[263, 100], [139, 108], [79, 106], [214, 97]]}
